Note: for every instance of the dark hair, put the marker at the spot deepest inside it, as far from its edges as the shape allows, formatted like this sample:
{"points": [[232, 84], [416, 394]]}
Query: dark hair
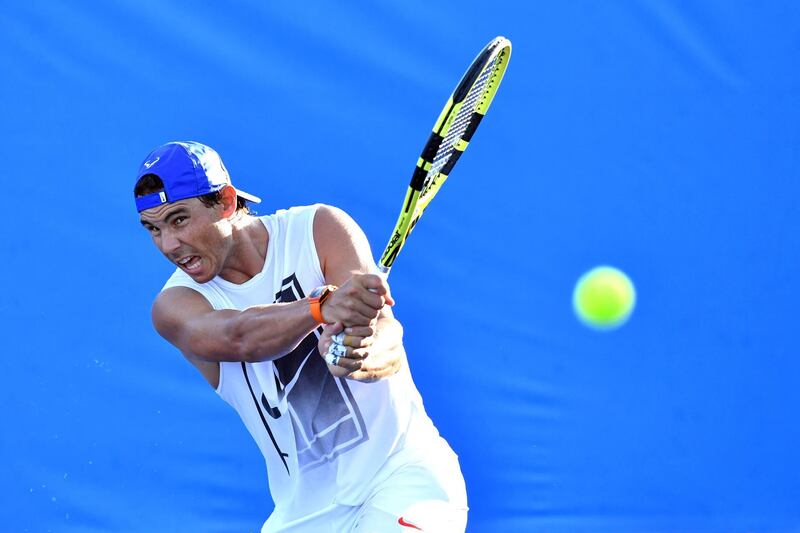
{"points": [[150, 183]]}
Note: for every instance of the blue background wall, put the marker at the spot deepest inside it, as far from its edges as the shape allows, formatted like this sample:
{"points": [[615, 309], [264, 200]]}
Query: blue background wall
{"points": [[660, 137]]}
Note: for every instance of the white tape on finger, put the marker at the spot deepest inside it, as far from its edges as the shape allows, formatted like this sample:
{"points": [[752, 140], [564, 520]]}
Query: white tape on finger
{"points": [[339, 338], [330, 357], [335, 351]]}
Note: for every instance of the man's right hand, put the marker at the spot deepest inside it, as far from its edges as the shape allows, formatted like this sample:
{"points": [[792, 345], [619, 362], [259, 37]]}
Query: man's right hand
{"points": [[358, 301]]}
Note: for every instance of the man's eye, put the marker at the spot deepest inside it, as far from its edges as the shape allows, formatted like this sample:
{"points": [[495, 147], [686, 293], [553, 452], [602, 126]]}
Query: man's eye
{"points": [[179, 220]]}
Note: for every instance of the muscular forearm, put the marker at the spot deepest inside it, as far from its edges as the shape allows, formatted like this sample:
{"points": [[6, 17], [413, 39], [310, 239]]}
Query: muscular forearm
{"points": [[269, 331], [258, 333]]}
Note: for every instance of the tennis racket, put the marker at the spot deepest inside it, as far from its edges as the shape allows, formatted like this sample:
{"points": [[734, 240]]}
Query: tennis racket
{"points": [[450, 137]]}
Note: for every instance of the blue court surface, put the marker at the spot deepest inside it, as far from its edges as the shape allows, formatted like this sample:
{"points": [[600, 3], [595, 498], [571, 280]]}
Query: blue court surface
{"points": [[659, 137]]}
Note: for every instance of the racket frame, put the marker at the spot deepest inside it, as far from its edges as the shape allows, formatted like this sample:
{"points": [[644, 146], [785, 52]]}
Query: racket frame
{"points": [[423, 187]]}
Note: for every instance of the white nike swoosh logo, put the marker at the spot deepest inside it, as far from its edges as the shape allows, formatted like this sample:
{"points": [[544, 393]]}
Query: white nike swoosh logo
{"points": [[149, 164]]}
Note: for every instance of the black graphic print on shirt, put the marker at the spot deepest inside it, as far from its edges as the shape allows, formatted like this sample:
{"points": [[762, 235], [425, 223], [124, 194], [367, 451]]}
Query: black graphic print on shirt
{"points": [[325, 417]]}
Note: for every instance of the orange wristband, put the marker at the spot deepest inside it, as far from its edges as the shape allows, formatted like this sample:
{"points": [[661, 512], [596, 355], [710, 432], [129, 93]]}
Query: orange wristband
{"points": [[317, 298]]}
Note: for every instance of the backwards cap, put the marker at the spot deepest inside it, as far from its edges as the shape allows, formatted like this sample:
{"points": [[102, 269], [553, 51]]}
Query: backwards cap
{"points": [[188, 169]]}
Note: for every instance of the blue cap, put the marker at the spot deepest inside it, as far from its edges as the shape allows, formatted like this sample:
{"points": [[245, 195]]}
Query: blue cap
{"points": [[188, 169]]}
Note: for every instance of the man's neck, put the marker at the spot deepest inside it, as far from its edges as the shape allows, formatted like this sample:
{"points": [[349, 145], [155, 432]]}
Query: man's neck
{"points": [[249, 250]]}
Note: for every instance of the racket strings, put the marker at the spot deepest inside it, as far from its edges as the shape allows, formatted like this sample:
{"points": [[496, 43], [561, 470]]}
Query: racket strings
{"points": [[459, 125]]}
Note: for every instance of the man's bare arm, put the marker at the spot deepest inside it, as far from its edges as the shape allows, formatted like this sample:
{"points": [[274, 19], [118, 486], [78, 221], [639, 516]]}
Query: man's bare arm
{"points": [[260, 333], [186, 319], [344, 251], [344, 254]]}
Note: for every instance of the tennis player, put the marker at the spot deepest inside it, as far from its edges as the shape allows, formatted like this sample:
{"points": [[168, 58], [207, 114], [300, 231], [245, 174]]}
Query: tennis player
{"points": [[252, 304]]}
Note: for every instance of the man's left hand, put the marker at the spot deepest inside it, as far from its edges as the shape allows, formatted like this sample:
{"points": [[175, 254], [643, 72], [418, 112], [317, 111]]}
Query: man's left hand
{"points": [[360, 361]]}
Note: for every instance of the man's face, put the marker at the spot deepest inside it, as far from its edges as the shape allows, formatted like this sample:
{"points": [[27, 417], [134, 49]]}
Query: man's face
{"points": [[192, 236]]}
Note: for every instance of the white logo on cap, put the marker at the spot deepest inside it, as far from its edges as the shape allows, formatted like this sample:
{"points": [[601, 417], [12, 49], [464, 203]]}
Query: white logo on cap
{"points": [[149, 164], [161, 195]]}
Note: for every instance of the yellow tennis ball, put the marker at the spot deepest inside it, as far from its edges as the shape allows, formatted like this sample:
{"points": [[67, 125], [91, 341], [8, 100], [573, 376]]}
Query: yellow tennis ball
{"points": [[604, 298]]}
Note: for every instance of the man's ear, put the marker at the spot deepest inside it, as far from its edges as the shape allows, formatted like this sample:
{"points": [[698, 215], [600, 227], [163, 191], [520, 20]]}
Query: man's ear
{"points": [[228, 194]]}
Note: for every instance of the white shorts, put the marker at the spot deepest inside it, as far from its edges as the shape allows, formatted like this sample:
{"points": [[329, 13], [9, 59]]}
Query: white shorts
{"points": [[414, 498]]}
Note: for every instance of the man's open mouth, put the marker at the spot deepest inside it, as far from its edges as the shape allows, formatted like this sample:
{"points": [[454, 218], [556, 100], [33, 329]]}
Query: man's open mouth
{"points": [[190, 263]]}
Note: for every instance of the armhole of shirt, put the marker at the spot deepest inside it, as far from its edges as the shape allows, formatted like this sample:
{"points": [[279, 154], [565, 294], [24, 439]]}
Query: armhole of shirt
{"points": [[314, 254], [219, 388]]}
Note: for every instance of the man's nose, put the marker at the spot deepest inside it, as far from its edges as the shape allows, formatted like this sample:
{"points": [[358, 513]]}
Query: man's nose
{"points": [[169, 242]]}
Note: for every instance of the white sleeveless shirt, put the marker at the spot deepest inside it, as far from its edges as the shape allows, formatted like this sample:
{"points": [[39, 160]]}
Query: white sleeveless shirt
{"points": [[326, 440]]}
